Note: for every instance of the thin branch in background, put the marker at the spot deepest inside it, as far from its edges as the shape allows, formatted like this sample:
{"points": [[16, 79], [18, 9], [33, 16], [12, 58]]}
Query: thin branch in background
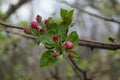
{"points": [[13, 8], [95, 15], [77, 73], [23, 35], [81, 70], [100, 45], [55, 73], [10, 26]]}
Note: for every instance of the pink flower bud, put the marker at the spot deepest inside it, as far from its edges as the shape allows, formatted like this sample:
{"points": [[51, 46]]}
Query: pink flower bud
{"points": [[55, 38], [54, 54], [34, 24], [42, 30], [47, 22], [38, 18], [26, 30], [70, 55], [68, 45]]}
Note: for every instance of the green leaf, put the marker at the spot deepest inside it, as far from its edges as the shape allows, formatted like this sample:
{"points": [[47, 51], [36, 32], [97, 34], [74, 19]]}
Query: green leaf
{"points": [[47, 59], [63, 13], [74, 38], [52, 27], [68, 18], [62, 31], [70, 13], [48, 45], [76, 55], [47, 40], [20, 78]]}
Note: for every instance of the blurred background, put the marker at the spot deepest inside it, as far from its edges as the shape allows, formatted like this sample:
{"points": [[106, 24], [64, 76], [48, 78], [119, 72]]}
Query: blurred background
{"points": [[20, 56]]}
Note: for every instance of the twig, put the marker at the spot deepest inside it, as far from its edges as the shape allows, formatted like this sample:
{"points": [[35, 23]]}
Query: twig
{"points": [[95, 15], [10, 26], [101, 45], [13, 8], [80, 70], [24, 35]]}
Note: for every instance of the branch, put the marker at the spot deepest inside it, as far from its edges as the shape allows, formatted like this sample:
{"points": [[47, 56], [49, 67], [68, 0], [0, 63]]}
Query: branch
{"points": [[80, 70], [9, 26], [23, 35], [87, 43], [13, 8], [101, 45], [95, 15]]}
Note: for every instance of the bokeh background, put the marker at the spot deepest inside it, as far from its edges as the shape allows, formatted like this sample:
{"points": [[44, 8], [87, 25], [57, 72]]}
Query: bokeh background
{"points": [[20, 56]]}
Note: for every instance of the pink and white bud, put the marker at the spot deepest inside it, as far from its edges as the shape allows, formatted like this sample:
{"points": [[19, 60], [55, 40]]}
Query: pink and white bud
{"points": [[34, 24], [68, 45], [38, 18]]}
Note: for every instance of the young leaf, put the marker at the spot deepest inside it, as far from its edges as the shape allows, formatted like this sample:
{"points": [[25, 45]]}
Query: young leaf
{"points": [[62, 31], [52, 27], [47, 59], [47, 40], [68, 20], [70, 13], [74, 38], [68, 17], [63, 13], [49, 46]]}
